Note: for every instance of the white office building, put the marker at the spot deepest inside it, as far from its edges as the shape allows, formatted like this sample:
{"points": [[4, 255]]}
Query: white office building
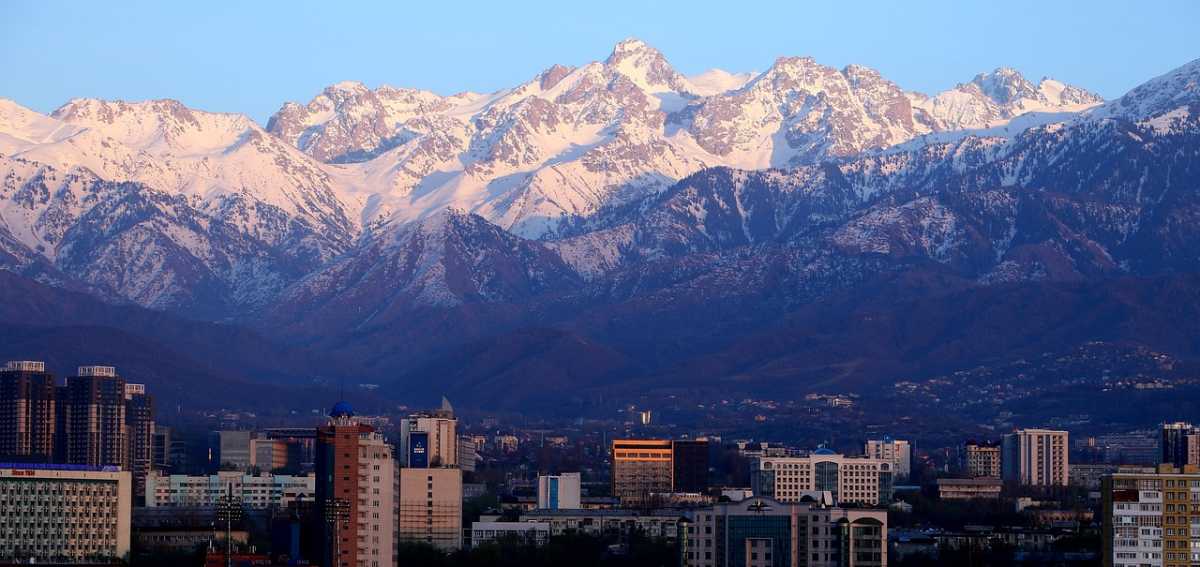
{"points": [[64, 514], [560, 492], [254, 491]]}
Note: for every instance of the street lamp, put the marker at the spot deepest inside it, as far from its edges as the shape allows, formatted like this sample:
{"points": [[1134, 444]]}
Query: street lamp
{"points": [[229, 510], [337, 513]]}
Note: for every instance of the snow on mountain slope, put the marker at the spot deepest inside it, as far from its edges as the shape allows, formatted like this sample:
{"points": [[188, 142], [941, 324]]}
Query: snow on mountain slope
{"points": [[1177, 88], [572, 140], [20, 127], [130, 241], [215, 213]]}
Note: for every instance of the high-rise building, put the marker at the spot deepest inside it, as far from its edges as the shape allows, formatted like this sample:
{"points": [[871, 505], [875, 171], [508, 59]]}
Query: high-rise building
{"points": [[1175, 443], [898, 451], [560, 491], [1150, 518], [430, 439], [689, 465], [760, 532], [355, 494], [1036, 457], [430, 509], [95, 430], [27, 412], [139, 424], [982, 460], [857, 480], [59, 514], [641, 468]]}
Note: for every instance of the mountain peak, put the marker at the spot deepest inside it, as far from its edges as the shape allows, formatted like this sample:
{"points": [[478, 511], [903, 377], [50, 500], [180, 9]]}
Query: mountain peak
{"points": [[1005, 85], [630, 45], [646, 67]]}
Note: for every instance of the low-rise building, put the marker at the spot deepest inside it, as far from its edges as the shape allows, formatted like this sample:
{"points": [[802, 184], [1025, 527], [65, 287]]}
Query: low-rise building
{"points": [[534, 533], [253, 491], [653, 524], [969, 488], [64, 513]]}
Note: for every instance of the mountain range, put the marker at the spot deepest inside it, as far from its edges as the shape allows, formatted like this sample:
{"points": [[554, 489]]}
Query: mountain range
{"points": [[621, 227]]}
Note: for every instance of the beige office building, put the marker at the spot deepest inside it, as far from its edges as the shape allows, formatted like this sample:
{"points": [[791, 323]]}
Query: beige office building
{"points": [[1036, 457], [850, 480], [430, 507], [52, 515], [898, 451]]}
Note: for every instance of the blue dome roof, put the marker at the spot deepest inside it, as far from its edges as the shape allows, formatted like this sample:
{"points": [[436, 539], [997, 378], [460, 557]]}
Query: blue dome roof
{"points": [[823, 451], [341, 409]]}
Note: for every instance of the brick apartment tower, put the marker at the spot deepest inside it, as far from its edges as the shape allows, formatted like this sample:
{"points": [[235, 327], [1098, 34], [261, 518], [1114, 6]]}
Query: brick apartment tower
{"points": [[27, 412], [355, 469]]}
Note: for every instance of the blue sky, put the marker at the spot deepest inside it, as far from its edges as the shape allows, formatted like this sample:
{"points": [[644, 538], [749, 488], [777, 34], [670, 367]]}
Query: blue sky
{"points": [[250, 57]]}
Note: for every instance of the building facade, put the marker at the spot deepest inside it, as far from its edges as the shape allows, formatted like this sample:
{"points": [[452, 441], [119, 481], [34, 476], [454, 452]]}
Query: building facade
{"points": [[532, 533], [430, 509], [355, 492], [96, 432], [139, 426], [1036, 457], [654, 524], [986, 488], [560, 492], [898, 451], [761, 532], [1152, 518], [27, 412], [64, 514], [982, 460], [850, 480], [689, 466], [641, 468]]}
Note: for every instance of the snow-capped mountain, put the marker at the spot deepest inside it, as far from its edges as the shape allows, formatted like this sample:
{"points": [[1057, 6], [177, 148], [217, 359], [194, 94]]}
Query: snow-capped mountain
{"points": [[166, 206], [219, 215], [618, 209], [574, 140]]}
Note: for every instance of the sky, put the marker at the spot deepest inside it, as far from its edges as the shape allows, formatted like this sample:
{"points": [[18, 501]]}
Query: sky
{"points": [[251, 57]]}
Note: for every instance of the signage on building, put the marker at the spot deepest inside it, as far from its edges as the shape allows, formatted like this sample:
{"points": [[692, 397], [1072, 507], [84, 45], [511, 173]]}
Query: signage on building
{"points": [[418, 450]]}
